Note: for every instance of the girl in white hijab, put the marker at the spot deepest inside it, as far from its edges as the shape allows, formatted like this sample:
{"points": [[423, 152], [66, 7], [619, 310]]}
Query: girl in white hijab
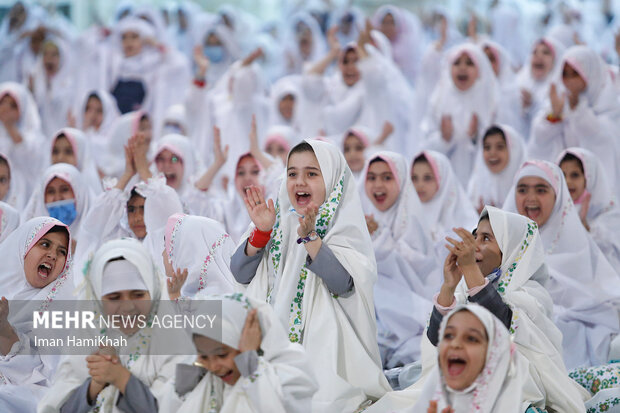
{"points": [[444, 202], [582, 283], [501, 154], [306, 42], [463, 105], [121, 270], [586, 115], [406, 265], [248, 366], [9, 220], [14, 189], [324, 322], [36, 267], [111, 161], [594, 199]]}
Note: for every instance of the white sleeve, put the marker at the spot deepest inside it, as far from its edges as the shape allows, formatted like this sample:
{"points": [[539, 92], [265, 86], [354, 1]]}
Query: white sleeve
{"points": [[22, 365], [547, 138]]}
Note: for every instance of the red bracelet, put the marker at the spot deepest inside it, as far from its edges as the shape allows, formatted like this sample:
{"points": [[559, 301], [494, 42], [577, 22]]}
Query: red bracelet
{"points": [[200, 82], [258, 239], [554, 119]]}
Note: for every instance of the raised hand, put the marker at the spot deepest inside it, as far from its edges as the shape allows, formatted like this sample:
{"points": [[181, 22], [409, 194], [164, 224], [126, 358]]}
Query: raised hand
{"points": [[432, 408], [202, 62], [254, 146], [371, 224], [219, 156], [557, 101], [526, 98], [452, 274], [464, 250], [447, 128], [332, 41], [472, 130], [262, 214], [256, 53], [306, 223], [251, 334], [175, 283], [71, 121]]}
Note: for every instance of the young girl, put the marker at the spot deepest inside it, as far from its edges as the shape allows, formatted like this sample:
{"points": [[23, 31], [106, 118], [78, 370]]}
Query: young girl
{"points": [[405, 254], [463, 104], [285, 106], [250, 366], [585, 115], [70, 146], [320, 285], [278, 141], [124, 281], [502, 153], [594, 198], [124, 128], [478, 368], [582, 283], [444, 203], [9, 220], [209, 272], [175, 158], [355, 142], [36, 267]]}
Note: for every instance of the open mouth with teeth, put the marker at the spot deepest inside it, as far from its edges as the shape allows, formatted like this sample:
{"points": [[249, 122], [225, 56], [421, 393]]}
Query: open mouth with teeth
{"points": [[456, 365], [532, 211], [226, 377], [380, 197], [44, 270], [170, 178], [302, 198]]}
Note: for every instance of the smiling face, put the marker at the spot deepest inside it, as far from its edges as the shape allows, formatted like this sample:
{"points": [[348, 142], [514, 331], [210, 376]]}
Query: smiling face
{"points": [[93, 113], [171, 166], [354, 152], [464, 72], [218, 358], [132, 43], [62, 151], [495, 153], [574, 83], [135, 215], [286, 106], [5, 178], [462, 350], [381, 186], [575, 178], [304, 182], [129, 304], [488, 254], [424, 180], [247, 174], [535, 199], [348, 67], [58, 190], [46, 259], [542, 61]]}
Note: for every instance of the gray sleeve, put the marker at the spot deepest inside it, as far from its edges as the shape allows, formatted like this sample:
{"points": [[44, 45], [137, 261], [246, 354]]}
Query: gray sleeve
{"points": [[244, 267], [490, 299], [433, 326], [137, 398], [331, 271], [247, 362], [78, 401]]}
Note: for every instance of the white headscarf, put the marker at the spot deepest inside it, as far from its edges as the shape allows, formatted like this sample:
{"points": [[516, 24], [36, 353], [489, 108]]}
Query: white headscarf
{"points": [[498, 387], [123, 128], [202, 246], [70, 174], [283, 365], [582, 283], [18, 189], [9, 220], [29, 122], [339, 334], [82, 151], [110, 110], [319, 46], [287, 85], [488, 188], [182, 147]]}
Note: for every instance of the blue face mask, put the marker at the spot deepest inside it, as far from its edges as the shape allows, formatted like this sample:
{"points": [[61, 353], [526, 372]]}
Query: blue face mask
{"points": [[64, 210], [214, 53]]}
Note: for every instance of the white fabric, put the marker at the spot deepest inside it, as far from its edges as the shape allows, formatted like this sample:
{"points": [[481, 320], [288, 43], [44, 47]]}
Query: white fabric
{"points": [[9, 220], [319, 47], [406, 265], [582, 283], [112, 161], [482, 99], [498, 387], [488, 188], [121, 275], [282, 382], [603, 213], [19, 188], [339, 334], [202, 246], [182, 147]]}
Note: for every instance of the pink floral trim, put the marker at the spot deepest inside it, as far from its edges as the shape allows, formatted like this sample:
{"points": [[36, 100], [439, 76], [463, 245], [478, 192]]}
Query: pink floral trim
{"points": [[172, 226], [209, 259]]}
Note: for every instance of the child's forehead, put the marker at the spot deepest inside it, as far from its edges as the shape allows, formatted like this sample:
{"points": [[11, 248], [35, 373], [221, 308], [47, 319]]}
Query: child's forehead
{"points": [[303, 160]]}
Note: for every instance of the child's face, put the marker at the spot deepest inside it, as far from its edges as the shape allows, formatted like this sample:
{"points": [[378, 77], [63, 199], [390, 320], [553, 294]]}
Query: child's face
{"points": [[172, 167], [495, 153], [304, 40], [46, 259], [93, 114], [354, 152], [464, 72], [492, 59], [9, 105], [381, 186], [572, 80], [462, 350], [388, 27], [535, 199], [287, 106], [132, 44], [488, 255], [424, 181], [62, 151], [247, 174], [304, 181], [135, 215], [218, 358], [51, 58], [348, 68], [129, 304], [575, 179], [146, 128], [542, 61], [5, 179], [276, 150], [58, 190]]}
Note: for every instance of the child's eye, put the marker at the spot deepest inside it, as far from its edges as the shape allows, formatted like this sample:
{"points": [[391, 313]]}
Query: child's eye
{"points": [[223, 356], [521, 190], [473, 339], [448, 336], [292, 174], [131, 210], [312, 174], [541, 190], [63, 252], [486, 238]]}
